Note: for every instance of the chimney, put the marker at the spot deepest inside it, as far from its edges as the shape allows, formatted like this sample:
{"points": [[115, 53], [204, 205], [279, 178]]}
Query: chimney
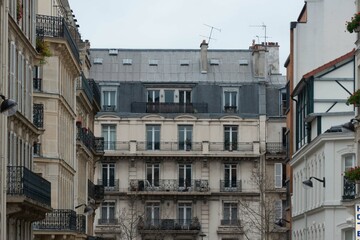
{"points": [[203, 56]]}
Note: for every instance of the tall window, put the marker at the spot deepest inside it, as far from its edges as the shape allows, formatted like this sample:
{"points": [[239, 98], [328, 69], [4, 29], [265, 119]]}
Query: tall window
{"points": [[349, 187], [109, 100], [278, 210], [230, 214], [153, 96], [184, 210], [230, 137], [169, 96], [153, 174], [304, 107], [283, 100], [185, 137], [184, 96], [230, 176], [152, 211], [230, 100], [153, 137], [278, 175], [108, 174], [108, 211], [109, 135], [185, 176], [349, 234]]}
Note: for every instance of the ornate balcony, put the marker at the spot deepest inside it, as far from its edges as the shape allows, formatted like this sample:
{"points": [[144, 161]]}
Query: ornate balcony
{"points": [[58, 220], [95, 192], [349, 190], [170, 225], [111, 185], [86, 136], [172, 185], [275, 148], [80, 223], [38, 115], [23, 182], [146, 107], [230, 186]]}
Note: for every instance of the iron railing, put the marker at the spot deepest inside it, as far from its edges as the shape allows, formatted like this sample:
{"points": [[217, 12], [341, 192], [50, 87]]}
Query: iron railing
{"points": [[108, 108], [231, 222], [99, 144], [349, 189], [59, 220], [22, 181], [83, 84], [80, 223], [49, 26], [157, 107], [170, 185], [111, 185], [38, 115], [95, 192], [275, 147], [169, 224], [95, 91], [108, 221], [230, 186], [234, 146], [89, 140]]}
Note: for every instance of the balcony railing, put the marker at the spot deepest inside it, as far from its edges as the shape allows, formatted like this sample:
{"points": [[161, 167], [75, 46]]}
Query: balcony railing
{"points": [[111, 185], [168, 185], [108, 108], [230, 186], [106, 221], [99, 144], [275, 147], [49, 26], [231, 222], [95, 91], [234, 146], [169, 224], [95, 192], [59, 220], [146, 107], [81, 223], [89, 140], [22, 181], [83, 84], [38, 115], [349, 189]]}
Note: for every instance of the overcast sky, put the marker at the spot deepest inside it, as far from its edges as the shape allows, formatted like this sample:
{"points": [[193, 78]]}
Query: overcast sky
{"points": [[183, 24]]}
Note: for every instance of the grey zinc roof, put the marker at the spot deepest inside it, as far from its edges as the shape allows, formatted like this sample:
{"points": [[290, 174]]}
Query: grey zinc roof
{"points": [[172, 66]]}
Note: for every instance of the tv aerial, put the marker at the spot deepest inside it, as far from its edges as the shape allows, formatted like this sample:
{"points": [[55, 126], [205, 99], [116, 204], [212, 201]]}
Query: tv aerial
{"points": [[211, 31], [265, 36]]}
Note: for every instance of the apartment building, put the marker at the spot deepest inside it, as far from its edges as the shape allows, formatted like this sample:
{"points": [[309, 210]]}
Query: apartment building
{"points": [[65, 102], [194, 143]]}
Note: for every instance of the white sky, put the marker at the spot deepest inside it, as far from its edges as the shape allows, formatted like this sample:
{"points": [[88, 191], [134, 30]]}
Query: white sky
{"points": [[179, 24]]}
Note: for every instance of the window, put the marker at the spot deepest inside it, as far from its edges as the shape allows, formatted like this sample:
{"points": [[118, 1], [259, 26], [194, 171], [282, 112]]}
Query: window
{"points": [[278, 175], [184, 211], [108, 175], [108, 212], [283, 101], [169, 96], [349, 188], [37, 78], [109, 135], [152, 175], [152, 211], [185, 137], [230, 214], [230, 100], [230, 176], [127, 61], [349, 234], [278, 210], [153, 137], [184, 176], [231, 136], [113, 52], [304, 107], [153, 96], [98, 60], [109, 100]]}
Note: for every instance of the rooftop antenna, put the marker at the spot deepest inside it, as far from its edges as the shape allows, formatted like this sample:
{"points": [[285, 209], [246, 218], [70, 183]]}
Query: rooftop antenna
{"points": [[212, 28], [265, 36]]}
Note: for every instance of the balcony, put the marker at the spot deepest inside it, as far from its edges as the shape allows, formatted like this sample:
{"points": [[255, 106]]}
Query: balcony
{"points": [[83, 84], [230, 186], [81, 223], [172, 185], [49, 26], [96, 92], [38, 115], [230, 109], [349, 191], [111, 185], [87, 138], [23, 182], [146, 107], [108, 108], [275, 148], [107, 221], [95, 192], [58, 220], [230, 222], [179, 225]]}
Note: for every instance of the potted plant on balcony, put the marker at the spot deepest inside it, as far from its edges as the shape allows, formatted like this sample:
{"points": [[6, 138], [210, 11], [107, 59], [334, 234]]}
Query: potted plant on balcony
{"points": [[354, 24], [353, 174], [354, 98], [19, 11], [43, 49]]}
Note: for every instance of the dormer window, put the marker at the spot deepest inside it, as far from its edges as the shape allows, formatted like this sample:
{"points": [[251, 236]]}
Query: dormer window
{"points": [[113, 52], [98, 60], [127, 61], [153, 62], [215, 62]]}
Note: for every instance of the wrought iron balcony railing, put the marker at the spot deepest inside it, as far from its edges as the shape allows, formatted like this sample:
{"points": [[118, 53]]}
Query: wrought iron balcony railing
{"points": [[49, 26], [275, 147], [108, 108], [95, 91], [89, 140], [81, 223], [59, 220], [169, 224], [230, 186], [170, 185], [22, 181], [111, 185], [95, 192], [83, 84], [231, 222], [99, 144], [349, 189], [108, 221], [157, 107], [232, 146], [38, 115]]}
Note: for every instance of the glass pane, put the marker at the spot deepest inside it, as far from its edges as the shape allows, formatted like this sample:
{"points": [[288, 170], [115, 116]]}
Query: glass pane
{"points": [[227, 98], [181, 176], [233, 99], [157, 138], [112, 177], [156, 175], [233, 212], [105, 175], [188, 176], [226, 211], [169, 96], [112, 212], [104, 211]]}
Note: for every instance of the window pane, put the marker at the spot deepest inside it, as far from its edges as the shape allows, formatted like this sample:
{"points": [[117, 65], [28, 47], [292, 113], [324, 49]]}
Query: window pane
{"points": [[169, 96]]}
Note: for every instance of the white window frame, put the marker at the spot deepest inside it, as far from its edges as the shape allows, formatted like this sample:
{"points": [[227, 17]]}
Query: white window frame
{"points": [[108, 143], [104, 90], [278, 175], [231, 90], [184, 220], [108, 205]]}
